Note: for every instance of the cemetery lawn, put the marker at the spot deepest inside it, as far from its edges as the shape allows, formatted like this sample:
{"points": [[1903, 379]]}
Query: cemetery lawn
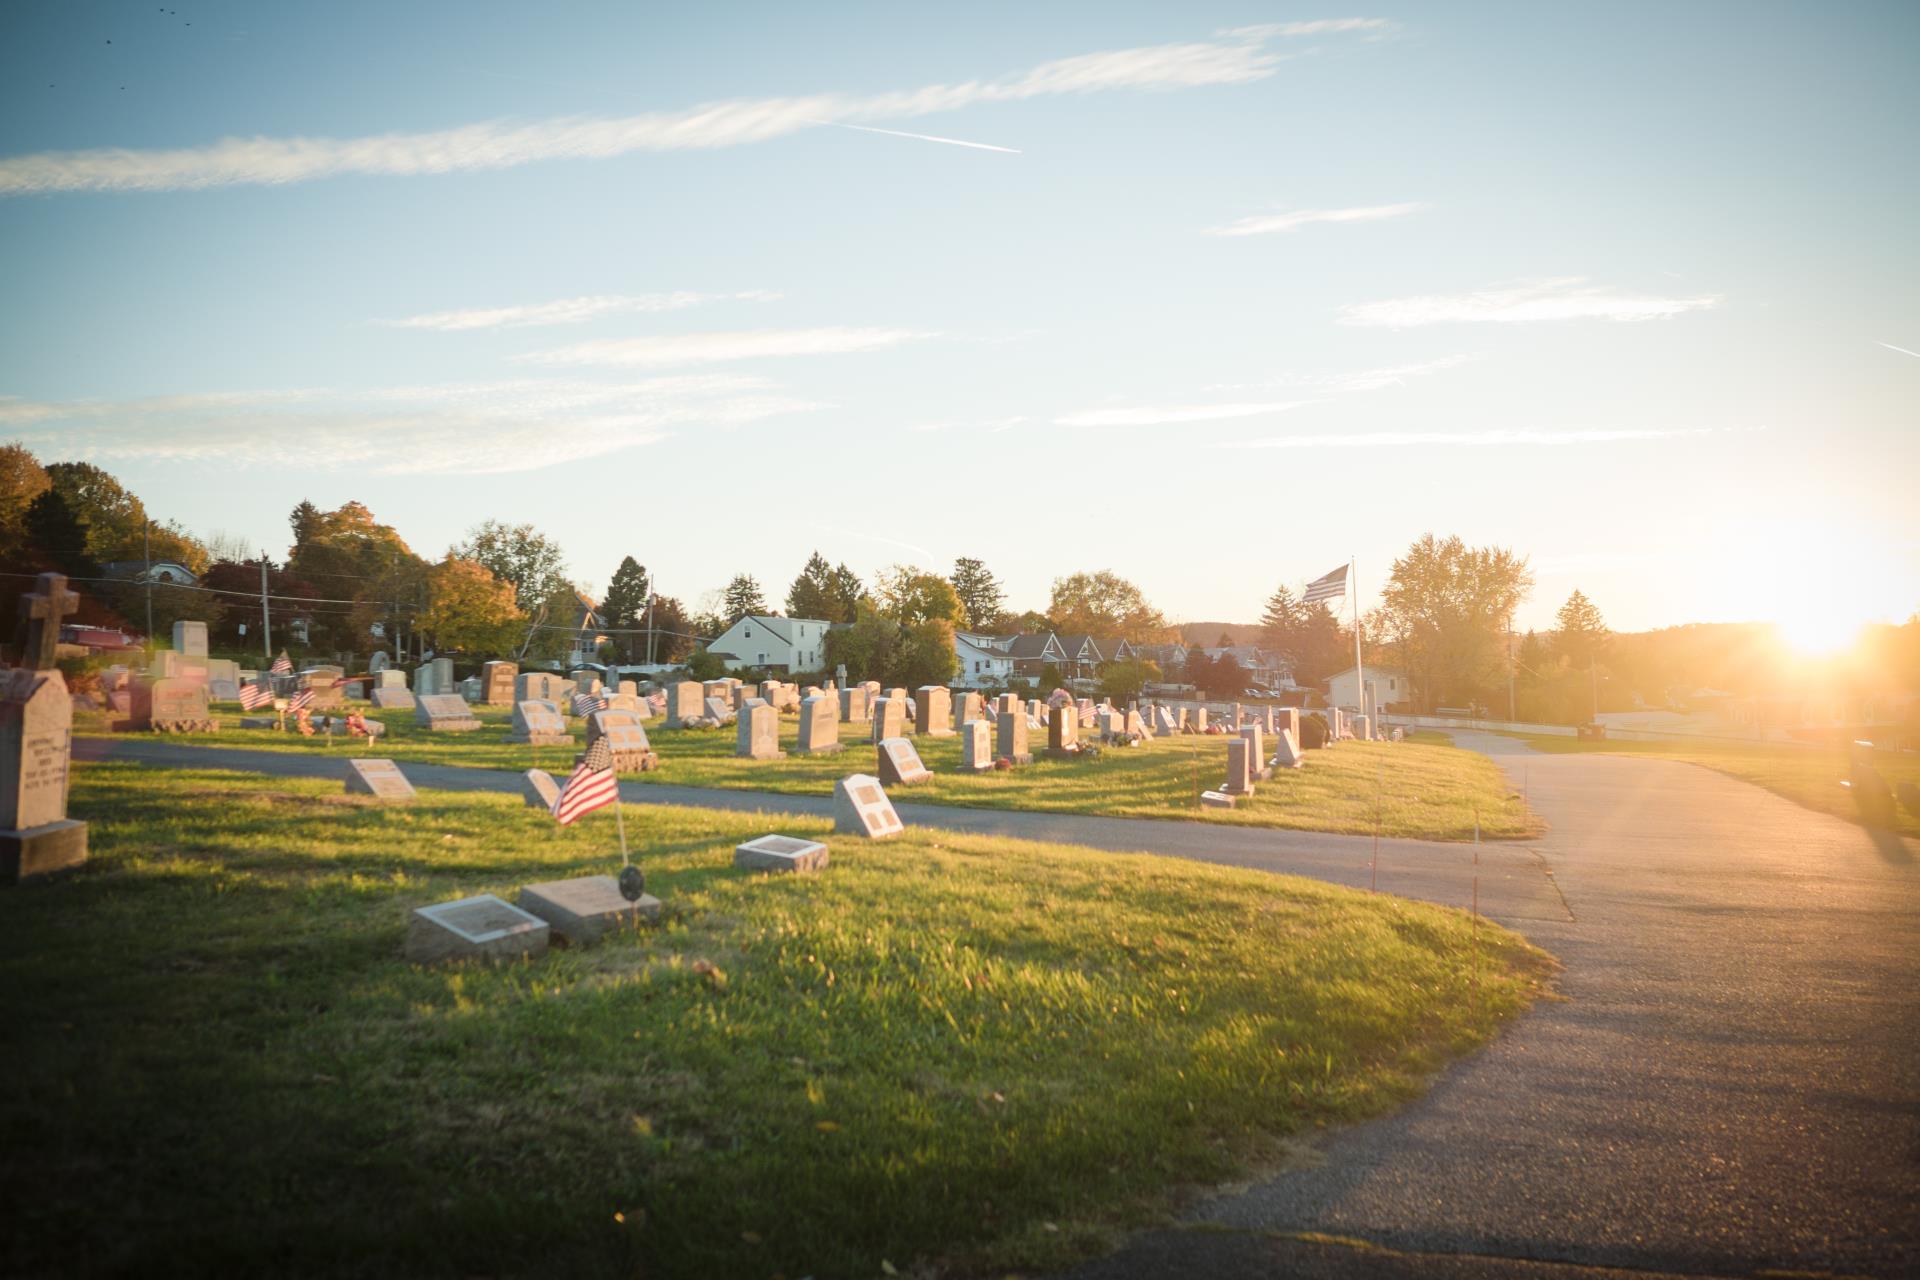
{"points": [[944, 1055], [1429, 790], [1803, 775]]}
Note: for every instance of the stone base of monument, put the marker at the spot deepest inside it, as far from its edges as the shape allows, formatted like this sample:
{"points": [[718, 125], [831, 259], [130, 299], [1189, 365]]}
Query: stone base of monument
{"points": [[542, 739], [827, 750], [392, 700], [780, 853], [1025, 757], [482, 928], [41, 851], [258, 722], [586, 909], [1216, 800]]}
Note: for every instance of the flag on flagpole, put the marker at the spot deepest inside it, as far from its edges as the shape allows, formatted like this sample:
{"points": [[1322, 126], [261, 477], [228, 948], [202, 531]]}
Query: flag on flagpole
{"points": [[1330, 586], [591, 786], [252, 696], [281, 667]]}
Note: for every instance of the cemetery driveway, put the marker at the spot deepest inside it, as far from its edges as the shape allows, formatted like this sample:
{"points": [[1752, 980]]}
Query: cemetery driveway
{"points": [[1730, 1086]]}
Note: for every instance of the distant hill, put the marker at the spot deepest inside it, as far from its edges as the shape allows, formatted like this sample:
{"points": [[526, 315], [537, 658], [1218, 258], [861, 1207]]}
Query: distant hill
{"points": [[1207, 634]]}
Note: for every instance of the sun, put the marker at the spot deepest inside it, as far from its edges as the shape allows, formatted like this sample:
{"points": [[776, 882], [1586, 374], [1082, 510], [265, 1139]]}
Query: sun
{"points": [[1817, 632]]}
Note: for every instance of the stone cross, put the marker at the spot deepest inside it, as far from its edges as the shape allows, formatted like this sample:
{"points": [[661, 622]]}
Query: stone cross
{"points": [[47, 607]]}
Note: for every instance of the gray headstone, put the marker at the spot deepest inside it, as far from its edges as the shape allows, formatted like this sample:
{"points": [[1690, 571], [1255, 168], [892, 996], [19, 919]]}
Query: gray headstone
{"points": [[392, 700], [542, 790], [780, 853], [585, 909], [933, 712], [861, 808], [759, 733], [900, 764], [819, 725], [36, 736], [538, 723], [1011, 741], [444, 713], [976, 746], [482, 928], [380, 779], [190, 639]]}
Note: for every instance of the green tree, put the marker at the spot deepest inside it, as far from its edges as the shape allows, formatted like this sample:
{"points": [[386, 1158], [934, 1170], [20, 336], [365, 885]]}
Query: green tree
{"points": [[742, 597], [22, 479], [910, 597], [1582, 633], [924, 654], [811, 595], [470, 610], [1445, 609], [1028, 623], [113, 517], [58, 535], [305, 521], [1123, 681], [625, 607], [1103, 603], [348, 554], [1306, 635], [980, 595], [520, 556], [672, 631]]}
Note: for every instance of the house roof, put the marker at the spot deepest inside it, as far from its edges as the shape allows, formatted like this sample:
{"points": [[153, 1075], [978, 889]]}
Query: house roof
{"points": [[1080, 648], [781, 627], [1113, 647], [1035, 644]]}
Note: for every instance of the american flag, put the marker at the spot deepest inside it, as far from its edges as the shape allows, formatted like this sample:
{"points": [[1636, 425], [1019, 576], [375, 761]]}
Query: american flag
{"points": [[252, 695], [592, 785], [1332, 586], [281, 667], [585, 704], [300, 701]]}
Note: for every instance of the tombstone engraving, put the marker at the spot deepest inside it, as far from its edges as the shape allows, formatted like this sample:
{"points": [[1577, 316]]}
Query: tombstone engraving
{"points": [[719, 711], [780, 853], [36, 734], [444, 713], [976, 746], [1256, 752], [1010, 743], [861, 808], [585, 909], [900, 764], [380, 779], [933, 711], [853, 705], [497, 681], [1063, 731], [392, 700], [482, 928], [967, 705], [539, 724], [819, 725], [759, 733], [889, 718], [626, 737]]}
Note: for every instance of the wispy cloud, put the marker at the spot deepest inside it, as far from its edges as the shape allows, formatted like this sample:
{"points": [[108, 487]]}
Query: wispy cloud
{"points": [[567, 310], [1315, 27], [921, 137], [1157, 415], [449, 429], [1274, 223], [1468, 439], [499, 144], [1353, 380], [709, 348], [1526, 302], [1902, 350]]}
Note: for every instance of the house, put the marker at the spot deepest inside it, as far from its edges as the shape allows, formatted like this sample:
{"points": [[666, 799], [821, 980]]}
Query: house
{"points": [[1032, 651], [1390, 688], [160, 571], [984, 660], [584, 645], [772, 642], [1268, 670], [1170, 658]]}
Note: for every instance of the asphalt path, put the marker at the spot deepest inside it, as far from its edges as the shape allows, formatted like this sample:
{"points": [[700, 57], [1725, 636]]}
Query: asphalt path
{"points": [[1729, 1086]]}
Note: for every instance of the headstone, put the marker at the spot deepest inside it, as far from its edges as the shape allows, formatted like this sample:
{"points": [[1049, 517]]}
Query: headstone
{"points": [[1163, 721], [442, 675], [1239, 767], [1216, 800], [223, 691], [1198, 720], [379, 662], [170, 705], [392, 700], [36, 736], [861, 808], [1011, 741], [496, 683], [626, 737], [585, 680], [444, 713], [423, 679], [739, 695], [1063, 731], [759, 733], [853, 705], [1287, 718], [482, 928], [537, 686], [1362, 728], [1256, 752], [780, 853], [391, 678], [976, 746], [684, 704], [819, 725], [190, 639], [542, 790], [933, 712], [967, 705], [539, 724], [1286, 751], [900, 764], [889, 718], [721, 689], [1008, 702], [586, 909], [380, 779], [719, 711]]}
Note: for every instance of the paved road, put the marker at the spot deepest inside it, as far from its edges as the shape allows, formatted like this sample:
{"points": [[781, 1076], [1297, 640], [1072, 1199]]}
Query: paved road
{"points": [[1731, 1086]]}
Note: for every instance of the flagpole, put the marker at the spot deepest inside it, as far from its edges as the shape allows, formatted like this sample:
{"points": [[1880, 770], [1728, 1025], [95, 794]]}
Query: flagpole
{"points": [[1359, 673]]}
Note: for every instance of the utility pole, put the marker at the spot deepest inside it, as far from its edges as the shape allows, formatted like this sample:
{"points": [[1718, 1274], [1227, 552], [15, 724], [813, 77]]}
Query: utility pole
{"points": [[649, 621], [266, 612], [1593, 678], [147, 536], [1511, 717]]}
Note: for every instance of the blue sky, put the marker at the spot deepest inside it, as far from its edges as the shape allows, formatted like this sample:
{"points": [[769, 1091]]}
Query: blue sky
{"points": [[1247, 290]]}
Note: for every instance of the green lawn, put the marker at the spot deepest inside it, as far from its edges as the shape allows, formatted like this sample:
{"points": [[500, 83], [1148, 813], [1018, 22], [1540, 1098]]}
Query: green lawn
{"points": [[1424, 790], [949, 1053], [1806, 776]]}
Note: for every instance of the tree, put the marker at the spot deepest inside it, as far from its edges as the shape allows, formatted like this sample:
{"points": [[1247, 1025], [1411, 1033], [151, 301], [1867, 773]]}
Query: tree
{"points": [[866, 647], [518, 555], [742, 597], [1123, 681], [672, 630], [237, 583], [1306, 635], [1028, 623], [924, 654], [1445, 609], [305, 521], [910, 597], [811, 595], [469, 609], [980, 595], [22, 479], [1104, 604], [1199, 669], [625, 606], [706, 665], [354, 557], [57, 534], [112, 516], [1224, 677], [1582, 634]]}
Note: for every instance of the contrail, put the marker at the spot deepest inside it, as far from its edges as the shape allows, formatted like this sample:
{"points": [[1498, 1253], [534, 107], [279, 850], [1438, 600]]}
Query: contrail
{"points": [[1888, 345], [924, 137]]}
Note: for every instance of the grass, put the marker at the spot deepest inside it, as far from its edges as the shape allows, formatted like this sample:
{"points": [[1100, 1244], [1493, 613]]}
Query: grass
{"points": [[1418, 789], [1804, 775], [943, 1054]]}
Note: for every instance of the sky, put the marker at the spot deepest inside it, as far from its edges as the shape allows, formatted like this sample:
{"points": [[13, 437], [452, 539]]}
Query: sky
{"points": [[1215, 296]]}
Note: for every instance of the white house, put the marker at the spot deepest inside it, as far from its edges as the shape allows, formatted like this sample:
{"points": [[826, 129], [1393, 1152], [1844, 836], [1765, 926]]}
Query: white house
{"points": [[984, 660], [1389, 687], [761, 640]]}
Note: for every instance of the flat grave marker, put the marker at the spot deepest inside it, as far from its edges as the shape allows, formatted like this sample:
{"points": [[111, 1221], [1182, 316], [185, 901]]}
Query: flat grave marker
{"points": [[380, 779], [900, 764], [480, 928], [587, 908], [861, 808], [780, 853]]}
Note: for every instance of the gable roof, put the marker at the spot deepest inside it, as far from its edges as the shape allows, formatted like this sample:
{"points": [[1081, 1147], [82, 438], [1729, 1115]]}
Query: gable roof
{"points": [[1035, 644], [1080, 648]]}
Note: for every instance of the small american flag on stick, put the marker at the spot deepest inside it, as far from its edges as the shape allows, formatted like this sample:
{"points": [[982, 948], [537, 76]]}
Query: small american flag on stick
{"points": [[585, 704], [252, 696], [300, 701], [281, 666], [1332, 586], [591, 786]]}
